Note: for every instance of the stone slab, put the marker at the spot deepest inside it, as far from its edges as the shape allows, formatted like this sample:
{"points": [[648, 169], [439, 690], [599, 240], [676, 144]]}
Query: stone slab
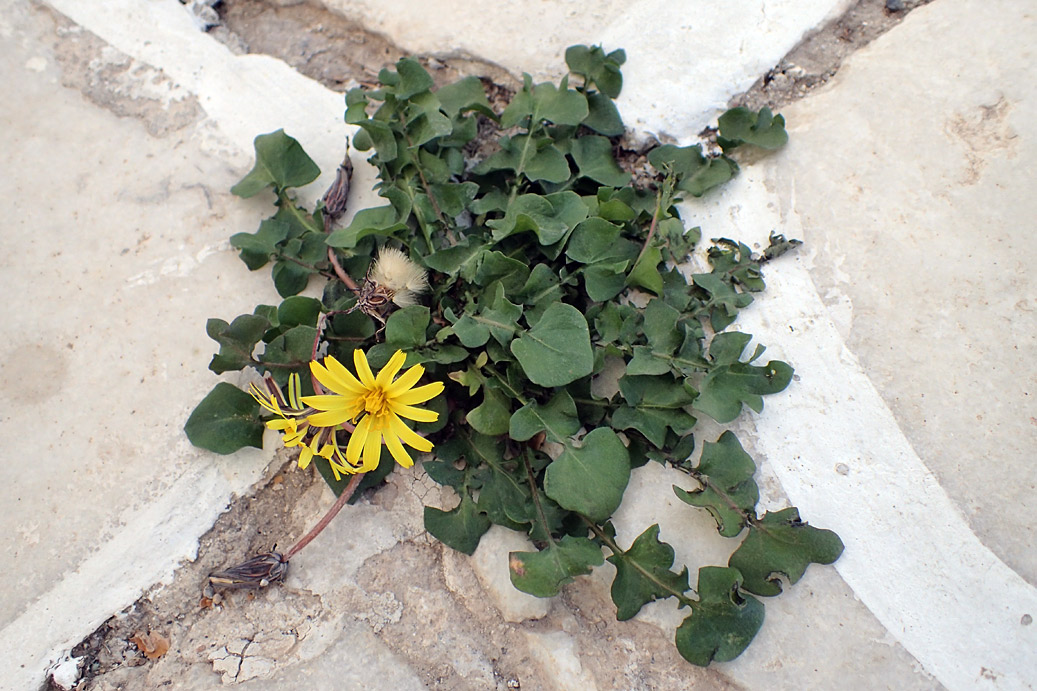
{"points": [[158, 107]]}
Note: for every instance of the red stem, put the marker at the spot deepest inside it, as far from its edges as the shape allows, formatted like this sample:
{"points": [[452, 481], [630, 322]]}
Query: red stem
{"points": [[332, 512]]}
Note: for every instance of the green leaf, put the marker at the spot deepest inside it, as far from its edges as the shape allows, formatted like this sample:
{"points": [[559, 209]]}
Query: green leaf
{"points": [[643, 574], [298, 311], [293, 348], [453, 198], [728, 490], [496, 266], [492, 416], [725, 299], [542, 287], [413, 79], [550, 216], [536, 158], [695, 173], [780, 543], [381, 137], [237, 341], [590, 479], [544, 573], [605, 280], [498, 318], [653, 405], [462, 258], [226, 420], [593, 156], [596, 240], [429, 123], [463, 95], [597, 67], [716, 172], [256, 248], [742, 126], [603, 116], [461, 528], [281, 162], [722, 623], [381, 220], [557, 350], [645, 273], [562, 106], [558, 417], [504, 501], [405, 328], [728, 386], [289, 278]]}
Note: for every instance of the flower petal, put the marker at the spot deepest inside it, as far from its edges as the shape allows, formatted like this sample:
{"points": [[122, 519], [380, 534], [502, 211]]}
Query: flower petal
{"points": [[412, 413], [388, 372], [337, 378], [339, 370], [329, 418], [372, 449], [331, 401], [418, 395], [406, 380], [392, 442], [407, 435], [363, 370], [356, 441]]}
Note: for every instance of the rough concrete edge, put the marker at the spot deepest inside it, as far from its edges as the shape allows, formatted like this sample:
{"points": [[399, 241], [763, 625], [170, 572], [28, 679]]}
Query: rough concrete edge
{"points": [[152, 544]]}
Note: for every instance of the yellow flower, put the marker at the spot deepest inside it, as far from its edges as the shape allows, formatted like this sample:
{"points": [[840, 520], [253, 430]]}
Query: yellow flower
{"points": [[288, 421], [376, 405]]}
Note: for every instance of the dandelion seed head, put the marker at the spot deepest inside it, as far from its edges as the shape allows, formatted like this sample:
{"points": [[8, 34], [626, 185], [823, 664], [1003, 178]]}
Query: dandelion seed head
{"points": [[395, 271]]}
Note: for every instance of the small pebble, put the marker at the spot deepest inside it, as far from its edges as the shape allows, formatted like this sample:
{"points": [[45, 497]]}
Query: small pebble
{"points": [[894, 5]]}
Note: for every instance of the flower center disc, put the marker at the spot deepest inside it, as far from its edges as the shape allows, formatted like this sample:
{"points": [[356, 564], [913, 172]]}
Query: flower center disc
{"points": [[375, 403]]}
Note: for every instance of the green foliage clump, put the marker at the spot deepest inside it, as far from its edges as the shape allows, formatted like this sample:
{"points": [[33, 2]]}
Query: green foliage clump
{"points": [[552, 269]]}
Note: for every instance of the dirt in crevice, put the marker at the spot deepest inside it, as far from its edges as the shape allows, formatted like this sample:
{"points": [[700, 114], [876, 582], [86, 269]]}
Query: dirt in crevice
{"points": [[325, 46], [341, 53], [180, 613], [817, 58]]}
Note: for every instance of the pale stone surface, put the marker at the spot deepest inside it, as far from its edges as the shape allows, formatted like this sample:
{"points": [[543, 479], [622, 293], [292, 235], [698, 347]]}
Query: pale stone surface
{"points": [[911, 145], [684, 60], [917, 241], [110, 232], [491, 563]]}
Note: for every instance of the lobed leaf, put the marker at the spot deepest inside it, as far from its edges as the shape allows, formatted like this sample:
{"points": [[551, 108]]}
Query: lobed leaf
{"points": [[643, 574], [780, 543], [461, 528], [742, 126], [544, 573], [728, 490], [722, 623], [237, 341], [280, 162]]}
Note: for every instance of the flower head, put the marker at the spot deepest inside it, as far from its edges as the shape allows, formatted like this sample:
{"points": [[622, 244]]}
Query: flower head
{"points": [[375, 405], [400, 277]]}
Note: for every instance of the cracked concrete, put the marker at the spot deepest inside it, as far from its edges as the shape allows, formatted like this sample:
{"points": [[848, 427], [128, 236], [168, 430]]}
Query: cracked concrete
{"points": [[909, 429]]}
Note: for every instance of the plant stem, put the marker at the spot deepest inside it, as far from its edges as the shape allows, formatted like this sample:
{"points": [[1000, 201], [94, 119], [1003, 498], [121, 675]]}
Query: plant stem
{"points": [[323, 523], [536, 496], [651, 228]]}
